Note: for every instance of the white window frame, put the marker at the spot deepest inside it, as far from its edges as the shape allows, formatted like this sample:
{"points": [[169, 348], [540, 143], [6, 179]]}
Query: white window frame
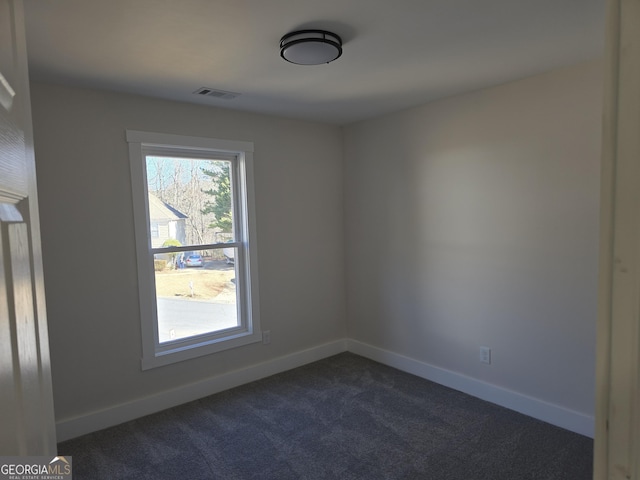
{"points": [[240, 153]]}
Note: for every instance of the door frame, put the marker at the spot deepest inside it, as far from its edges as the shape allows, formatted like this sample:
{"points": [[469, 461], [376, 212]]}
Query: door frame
{"points": [[25, 384], [617, 432]]}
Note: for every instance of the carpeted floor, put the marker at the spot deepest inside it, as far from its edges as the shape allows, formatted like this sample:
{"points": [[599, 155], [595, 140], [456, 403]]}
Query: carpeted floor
{"points": [[344, 417]]}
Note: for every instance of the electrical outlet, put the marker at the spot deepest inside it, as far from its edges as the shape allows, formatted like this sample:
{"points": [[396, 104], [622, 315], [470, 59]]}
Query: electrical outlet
{"points": [[266, 337], [485, 355]]}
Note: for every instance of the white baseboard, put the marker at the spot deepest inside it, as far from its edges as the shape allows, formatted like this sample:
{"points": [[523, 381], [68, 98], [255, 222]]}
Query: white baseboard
{"points": [[554, 414], [74, 427]]}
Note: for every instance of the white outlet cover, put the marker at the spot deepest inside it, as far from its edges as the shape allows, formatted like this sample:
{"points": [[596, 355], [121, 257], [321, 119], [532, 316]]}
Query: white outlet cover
{"points": [[485, 355]]}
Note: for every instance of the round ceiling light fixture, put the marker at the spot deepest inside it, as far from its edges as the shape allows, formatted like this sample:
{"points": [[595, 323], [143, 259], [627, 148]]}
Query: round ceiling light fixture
{"points": [[310, 47]]}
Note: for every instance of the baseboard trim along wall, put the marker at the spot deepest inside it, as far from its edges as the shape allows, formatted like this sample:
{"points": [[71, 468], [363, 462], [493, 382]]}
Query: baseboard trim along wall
{"points": [[547, 412], [91, 422], [554, 414]]}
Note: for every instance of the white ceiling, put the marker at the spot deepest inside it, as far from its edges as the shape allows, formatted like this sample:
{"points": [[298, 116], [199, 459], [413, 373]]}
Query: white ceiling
{"points": [[397, 53]]}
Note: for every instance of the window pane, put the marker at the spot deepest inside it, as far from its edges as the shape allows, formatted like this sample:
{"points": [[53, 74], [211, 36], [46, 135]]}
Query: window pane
{"points": [[196, 293], [190, 201]]}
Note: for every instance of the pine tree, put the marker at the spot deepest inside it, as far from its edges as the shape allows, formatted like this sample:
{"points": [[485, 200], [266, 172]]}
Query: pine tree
{"points": [[220, 205]]}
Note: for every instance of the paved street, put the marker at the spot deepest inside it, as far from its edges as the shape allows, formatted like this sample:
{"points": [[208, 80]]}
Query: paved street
{"points": [[179, 318]]}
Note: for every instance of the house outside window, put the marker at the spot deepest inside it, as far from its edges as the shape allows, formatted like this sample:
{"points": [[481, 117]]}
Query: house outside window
{"points": [[166, 222], [196, 245]]}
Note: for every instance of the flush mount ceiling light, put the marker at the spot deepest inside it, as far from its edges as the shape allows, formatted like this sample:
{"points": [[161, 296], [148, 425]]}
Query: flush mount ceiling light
{"points": [[310, 47]]}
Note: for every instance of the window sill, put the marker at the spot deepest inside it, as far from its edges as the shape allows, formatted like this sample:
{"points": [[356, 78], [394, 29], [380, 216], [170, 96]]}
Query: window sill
{"points": [[181, 353]]}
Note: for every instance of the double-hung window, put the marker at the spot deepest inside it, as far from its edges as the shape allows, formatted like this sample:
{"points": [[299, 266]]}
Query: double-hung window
{"points": [[196, 246]]}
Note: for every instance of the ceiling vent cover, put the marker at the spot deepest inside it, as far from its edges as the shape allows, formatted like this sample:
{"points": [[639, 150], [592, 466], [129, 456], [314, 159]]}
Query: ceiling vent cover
{"points": [[212, 92]]}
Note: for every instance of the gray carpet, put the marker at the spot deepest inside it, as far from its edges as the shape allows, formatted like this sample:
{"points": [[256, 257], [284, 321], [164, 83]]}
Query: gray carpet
{"points": [[344, 417]]}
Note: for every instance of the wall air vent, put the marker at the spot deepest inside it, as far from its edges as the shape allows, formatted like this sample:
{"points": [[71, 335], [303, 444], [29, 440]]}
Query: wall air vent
{"points": [[212, 92]]}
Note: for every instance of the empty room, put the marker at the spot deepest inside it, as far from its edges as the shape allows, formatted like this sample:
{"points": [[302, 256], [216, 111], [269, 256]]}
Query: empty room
{"points": [[344, 239]]}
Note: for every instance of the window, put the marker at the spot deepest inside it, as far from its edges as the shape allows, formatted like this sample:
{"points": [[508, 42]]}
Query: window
{"points": [[195, 243]]}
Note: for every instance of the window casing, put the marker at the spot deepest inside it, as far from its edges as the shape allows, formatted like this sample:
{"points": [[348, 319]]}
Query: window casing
{"points": [[157, 348]]}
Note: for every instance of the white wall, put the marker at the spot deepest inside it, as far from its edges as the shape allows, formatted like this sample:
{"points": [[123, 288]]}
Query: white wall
{"points": [[468, 221], [474, 221], [89, 251]]}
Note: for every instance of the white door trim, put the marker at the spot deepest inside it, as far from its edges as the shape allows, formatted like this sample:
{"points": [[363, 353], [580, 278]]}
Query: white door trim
{"points": [[27, 417], [617, 439]]}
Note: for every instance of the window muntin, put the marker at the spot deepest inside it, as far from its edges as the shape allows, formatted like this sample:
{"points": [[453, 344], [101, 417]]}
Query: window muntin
{"points": [[209, 302]]}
